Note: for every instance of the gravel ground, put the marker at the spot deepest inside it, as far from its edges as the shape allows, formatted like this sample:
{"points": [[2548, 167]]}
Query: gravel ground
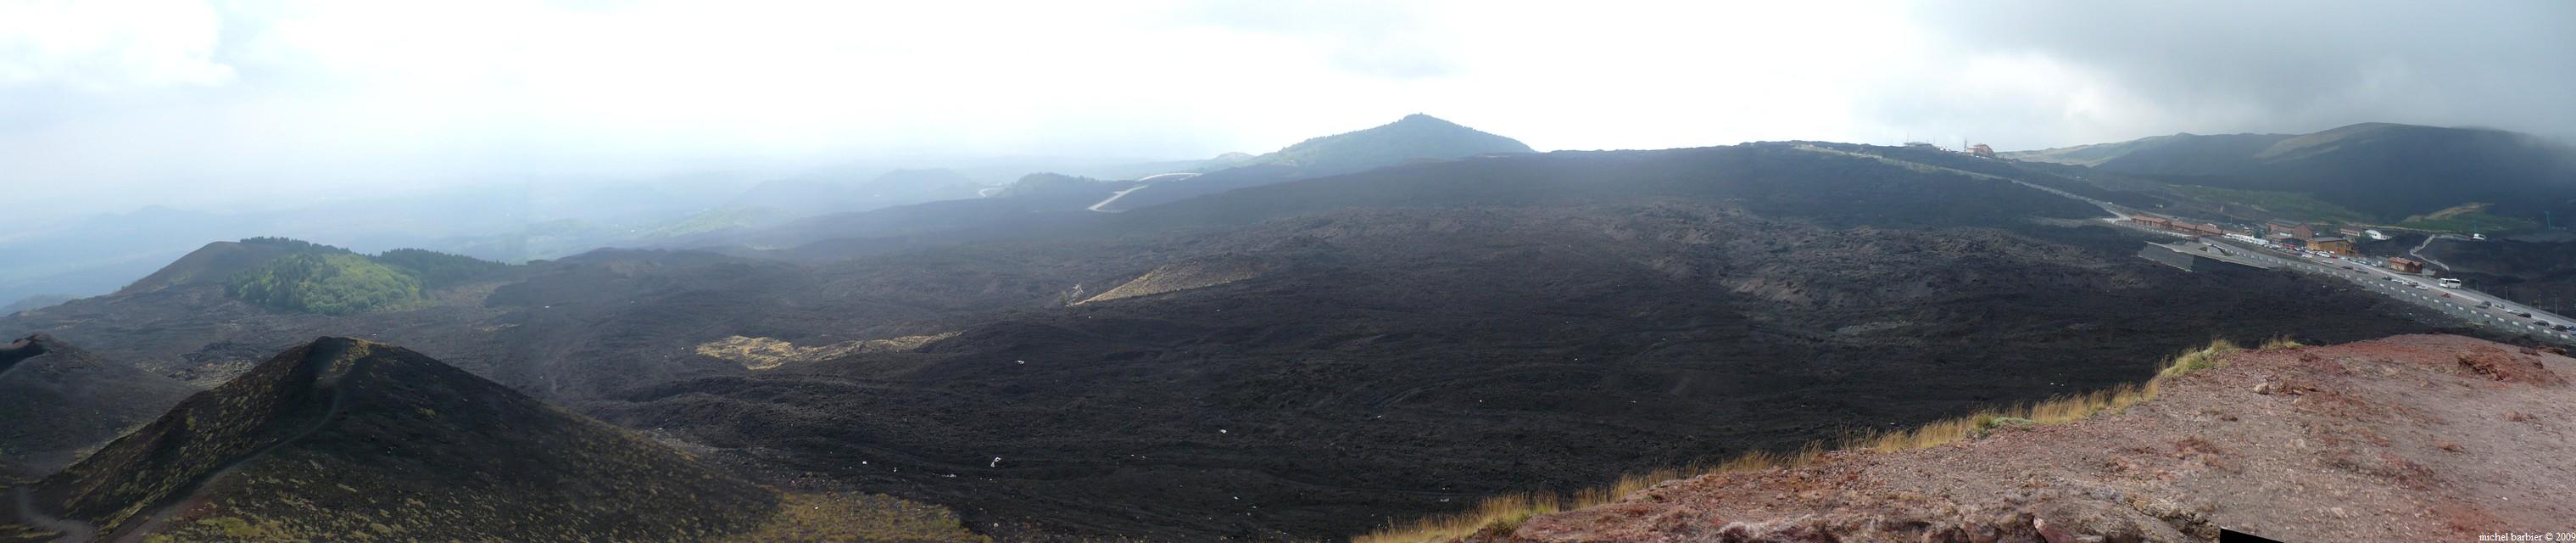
{"points": [[2408, 438]]}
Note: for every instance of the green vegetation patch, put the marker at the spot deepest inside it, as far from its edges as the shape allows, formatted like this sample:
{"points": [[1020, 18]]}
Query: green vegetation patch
{"points": [[2476, 221], [330, 284], [436, 269], [2293, 205], [317, 278]]}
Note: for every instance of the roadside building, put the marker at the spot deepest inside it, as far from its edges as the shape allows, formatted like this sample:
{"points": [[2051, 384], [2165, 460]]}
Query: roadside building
{"points": [[1981, 150], [2331, 244], [2296, 230], [2404, 265], [2350, 232]]}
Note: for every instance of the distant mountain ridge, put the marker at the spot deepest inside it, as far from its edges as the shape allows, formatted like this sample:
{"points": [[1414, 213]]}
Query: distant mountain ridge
{"points": [[2385, 170], [1043, 196], [808, 196], [1415, 137]]}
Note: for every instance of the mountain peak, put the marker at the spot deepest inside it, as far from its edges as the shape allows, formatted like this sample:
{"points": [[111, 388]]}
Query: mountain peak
{"points": [[1423, 118], [1414, 137]]}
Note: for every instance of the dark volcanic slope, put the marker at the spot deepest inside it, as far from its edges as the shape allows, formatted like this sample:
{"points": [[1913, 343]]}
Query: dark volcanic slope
{"points": [[210, 264], [59, 400], [348, 440], [1429, 334], [1412, 138], [1407, 338]]}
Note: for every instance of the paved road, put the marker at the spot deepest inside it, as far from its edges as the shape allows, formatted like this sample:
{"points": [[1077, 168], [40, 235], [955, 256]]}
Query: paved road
{"points": [[1114, 196], [2461, 302], [1148, 180]]}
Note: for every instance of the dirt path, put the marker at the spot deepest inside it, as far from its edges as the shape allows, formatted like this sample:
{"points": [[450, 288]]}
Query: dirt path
{"points": [[73, 531]]}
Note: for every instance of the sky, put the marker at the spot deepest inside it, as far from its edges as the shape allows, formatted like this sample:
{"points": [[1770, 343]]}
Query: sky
{"points": [[109, 105]]}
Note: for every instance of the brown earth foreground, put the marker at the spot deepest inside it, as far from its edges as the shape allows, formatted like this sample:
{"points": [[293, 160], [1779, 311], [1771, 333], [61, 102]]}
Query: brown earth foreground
{"points": [[2408, 438]]}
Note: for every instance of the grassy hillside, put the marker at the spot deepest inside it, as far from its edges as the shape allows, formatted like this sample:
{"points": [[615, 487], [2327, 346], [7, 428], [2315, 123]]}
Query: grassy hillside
{"points": [[292, 275]]}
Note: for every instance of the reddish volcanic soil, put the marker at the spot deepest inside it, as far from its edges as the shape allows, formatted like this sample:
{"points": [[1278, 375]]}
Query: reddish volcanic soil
{"points": [[2408, 438]]}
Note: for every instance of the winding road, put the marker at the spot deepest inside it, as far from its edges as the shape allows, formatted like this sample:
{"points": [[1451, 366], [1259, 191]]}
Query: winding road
{"points": [[2460, 303], [2456, 302], [2418, 253], [1147, 181]]}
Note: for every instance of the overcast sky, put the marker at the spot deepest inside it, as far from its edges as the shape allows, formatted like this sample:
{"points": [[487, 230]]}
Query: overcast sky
{"points": [[109, 105]]}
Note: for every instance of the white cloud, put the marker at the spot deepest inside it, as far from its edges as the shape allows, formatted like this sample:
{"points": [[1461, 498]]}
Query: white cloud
{"points": [[109, 45], [197, 102]]}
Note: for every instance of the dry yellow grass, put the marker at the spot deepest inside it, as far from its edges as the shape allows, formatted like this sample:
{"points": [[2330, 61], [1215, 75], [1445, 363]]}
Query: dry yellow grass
{"points": [[858, 518], [1504, 513], [2281, 342]]}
